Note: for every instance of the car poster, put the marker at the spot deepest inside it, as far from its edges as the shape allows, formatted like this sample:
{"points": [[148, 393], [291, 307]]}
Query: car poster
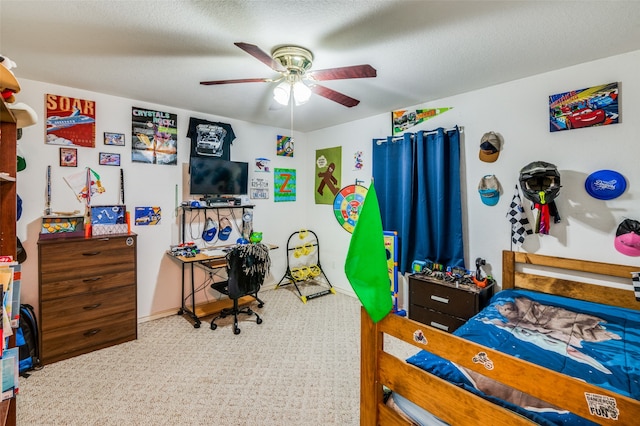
{"points": [[147, 216], [402, 120], [593, 106], [70, 121], [154, 137]]}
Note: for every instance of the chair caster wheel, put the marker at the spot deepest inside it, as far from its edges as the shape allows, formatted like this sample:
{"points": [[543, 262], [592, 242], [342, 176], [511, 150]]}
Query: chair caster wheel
{"points": [[259, 321], [196, 325], [236, 330], [214, 326], [260, 305]]}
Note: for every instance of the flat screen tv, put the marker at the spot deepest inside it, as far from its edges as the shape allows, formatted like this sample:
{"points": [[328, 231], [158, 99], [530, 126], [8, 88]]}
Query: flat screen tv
{"points": [[212, 176]]}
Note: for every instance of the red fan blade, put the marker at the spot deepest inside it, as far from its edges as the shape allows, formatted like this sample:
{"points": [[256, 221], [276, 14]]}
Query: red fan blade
{"points": [[242, 80], [331, 94], [260, 55], [356, 71]]}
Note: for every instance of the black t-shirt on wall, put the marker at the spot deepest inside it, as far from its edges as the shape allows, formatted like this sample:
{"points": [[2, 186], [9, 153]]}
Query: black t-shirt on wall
{"points": [[209, 139]]}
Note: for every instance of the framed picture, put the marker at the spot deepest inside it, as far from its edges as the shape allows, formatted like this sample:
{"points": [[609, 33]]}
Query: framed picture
{"points": [[68, 157], [109, 159], [590, 107], [114, 139]]}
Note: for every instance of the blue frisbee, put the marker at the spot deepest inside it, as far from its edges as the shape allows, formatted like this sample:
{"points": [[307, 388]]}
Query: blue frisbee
{"points": [[605, 184]]}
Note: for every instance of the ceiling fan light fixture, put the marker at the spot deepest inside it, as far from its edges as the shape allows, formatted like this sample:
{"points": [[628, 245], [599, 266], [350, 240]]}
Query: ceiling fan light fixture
{"points": [[301, 93], [282, 92]]}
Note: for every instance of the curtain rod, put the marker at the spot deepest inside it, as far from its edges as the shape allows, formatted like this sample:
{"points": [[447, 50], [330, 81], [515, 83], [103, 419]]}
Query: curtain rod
{"points": [[380, 141]]}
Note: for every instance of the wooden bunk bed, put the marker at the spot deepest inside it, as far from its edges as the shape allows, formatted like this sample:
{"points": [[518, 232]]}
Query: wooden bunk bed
{"points": [[457, 406]]}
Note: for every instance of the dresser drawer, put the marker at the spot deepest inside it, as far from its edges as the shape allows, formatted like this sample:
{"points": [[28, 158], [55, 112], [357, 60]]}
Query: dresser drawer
{"points": [[83, 337], [72, 287], [434, 318], [69, 311], [449, 300], [85, 258]]}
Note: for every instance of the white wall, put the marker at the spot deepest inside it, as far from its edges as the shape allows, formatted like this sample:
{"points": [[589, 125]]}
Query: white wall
{"points": [[146, 185], [517, 110]]}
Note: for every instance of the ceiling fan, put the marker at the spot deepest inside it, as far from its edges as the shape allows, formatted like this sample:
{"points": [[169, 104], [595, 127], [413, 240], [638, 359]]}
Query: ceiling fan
{"points": [[294, 64]]}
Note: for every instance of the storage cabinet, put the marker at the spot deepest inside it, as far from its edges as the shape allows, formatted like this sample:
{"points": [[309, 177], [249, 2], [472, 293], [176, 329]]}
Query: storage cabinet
{"points": [[88, 294], [8, 171], [8, 216], [444, 305]]}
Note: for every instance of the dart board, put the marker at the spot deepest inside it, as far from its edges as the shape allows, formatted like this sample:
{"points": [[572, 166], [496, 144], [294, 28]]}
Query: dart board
{"points": [[347, 205]]}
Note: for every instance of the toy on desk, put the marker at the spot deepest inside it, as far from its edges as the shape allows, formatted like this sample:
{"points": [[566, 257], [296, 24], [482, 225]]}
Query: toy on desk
{"points": [[480, 279], [185, 249], [418, 266]]}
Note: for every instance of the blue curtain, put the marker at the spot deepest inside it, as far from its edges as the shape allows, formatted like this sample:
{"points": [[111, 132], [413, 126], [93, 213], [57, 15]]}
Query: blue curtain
{"points": [[417, 179]]}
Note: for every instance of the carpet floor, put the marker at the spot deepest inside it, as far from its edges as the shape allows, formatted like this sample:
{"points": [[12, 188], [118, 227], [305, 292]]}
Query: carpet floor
{"points": [[299, 367]]}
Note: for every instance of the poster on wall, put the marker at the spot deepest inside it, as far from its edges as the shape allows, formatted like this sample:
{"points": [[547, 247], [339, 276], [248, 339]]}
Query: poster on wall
{"points": [[358, 162], [70, 121], [284, 185], [262, 165], [328, 174], [154, 136], [593, 106], [145, 216], [284, 146], [403, 119]]}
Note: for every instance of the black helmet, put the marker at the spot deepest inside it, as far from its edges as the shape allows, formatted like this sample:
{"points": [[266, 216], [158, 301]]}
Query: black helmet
{"points": [[540, 182]]}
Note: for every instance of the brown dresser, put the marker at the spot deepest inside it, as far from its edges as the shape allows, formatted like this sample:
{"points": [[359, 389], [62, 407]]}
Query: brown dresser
{"points": [[88, 291], [444, 305]]}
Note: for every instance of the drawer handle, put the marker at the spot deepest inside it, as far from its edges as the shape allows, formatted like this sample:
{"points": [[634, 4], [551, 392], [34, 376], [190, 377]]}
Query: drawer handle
{"points": [[439, 299], [90, 307], [91, 253], [92, 332], [440, 326], [88, 280]]}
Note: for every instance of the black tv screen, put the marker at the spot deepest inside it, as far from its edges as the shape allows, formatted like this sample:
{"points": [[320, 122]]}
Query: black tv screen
{"points": [[214, 176]]}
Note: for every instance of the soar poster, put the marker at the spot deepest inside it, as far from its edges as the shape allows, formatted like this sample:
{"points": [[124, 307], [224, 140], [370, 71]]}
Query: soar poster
{"points": [[70, 121]]}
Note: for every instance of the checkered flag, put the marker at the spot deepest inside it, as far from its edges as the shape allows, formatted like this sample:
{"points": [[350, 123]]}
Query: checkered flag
{"points": [[636, 284], [520, 226]]}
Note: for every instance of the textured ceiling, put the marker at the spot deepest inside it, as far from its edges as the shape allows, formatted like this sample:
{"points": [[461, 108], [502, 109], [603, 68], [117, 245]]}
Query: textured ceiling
{"points": [[159, 51]]}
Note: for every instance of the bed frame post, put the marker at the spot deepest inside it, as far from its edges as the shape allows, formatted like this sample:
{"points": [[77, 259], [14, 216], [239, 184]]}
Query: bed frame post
{"points": [[508, 269], [370, 390]]}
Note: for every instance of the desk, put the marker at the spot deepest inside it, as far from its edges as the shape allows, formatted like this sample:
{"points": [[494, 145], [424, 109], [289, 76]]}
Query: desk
{"points": [[206, 309]]}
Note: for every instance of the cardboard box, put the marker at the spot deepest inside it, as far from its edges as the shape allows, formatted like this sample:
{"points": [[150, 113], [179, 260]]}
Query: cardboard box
{"points": [[109, 229]]}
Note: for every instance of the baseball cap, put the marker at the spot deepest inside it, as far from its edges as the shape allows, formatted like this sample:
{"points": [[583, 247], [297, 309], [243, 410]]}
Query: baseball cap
{"points": [[627, 239], [24, 114], [22, 162], [210, 230], [8, 80], [489, 147], [489, 189]]}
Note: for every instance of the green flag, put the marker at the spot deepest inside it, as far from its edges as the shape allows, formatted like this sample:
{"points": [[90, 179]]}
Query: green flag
{"points": [[366, 263]]}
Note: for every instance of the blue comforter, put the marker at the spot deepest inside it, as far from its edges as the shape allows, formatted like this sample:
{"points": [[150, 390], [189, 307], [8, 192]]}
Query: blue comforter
{"points": [[592, 342]]}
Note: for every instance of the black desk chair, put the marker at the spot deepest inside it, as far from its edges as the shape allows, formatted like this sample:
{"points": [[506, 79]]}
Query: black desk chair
{"points": [[247, 266]]}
